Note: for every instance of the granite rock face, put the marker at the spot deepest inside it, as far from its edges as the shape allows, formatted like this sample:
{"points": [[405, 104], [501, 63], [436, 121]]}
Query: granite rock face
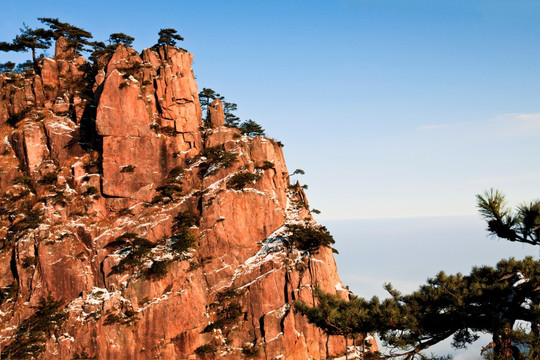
{"points": [[119, 203]]}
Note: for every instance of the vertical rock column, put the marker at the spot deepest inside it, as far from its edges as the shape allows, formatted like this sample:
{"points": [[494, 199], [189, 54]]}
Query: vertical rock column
{"points": [[136, 155]]}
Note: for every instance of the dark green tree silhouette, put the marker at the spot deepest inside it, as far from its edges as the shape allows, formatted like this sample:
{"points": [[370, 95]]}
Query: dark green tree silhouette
{"points": [[117, 39], [336, 316], [231, 120], [101, 52], [522, 225], [206, 96], [7, 67], [29, 39], [32, 39], [251, 128], [488, 300], [5, 46], [168, 37], [77, 37]]}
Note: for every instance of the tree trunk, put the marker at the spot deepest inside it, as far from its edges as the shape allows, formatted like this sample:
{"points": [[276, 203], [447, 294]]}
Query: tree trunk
{"points": [[327, 352], [503, 344], [346, 348], [34, 59]]}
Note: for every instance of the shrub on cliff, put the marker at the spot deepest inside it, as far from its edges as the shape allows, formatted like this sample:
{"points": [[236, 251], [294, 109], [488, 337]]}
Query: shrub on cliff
{"points": [[216, 157], [266, 165], [138, 249], [185, 219], [206, 349], [30, 337], [7, 67], [310, 239], [158, 270], [9, 292], [250, 351], [226, 317], [240, 180], [182, 240]]}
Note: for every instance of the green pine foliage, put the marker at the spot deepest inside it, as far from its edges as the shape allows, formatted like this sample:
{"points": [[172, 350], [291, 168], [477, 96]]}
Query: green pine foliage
{"points": [[138, 250], [522, 225], [251, 128], [171, 190], [310, 239], [240, 180], [7, 67], [488, 300], [216, 157], [182, 238], [250, 351], [31, 335], [168, 37], [206, 349], [266, 165], [227, 316], [77, 38], [117, 39], [9, 293], [206, 96]]}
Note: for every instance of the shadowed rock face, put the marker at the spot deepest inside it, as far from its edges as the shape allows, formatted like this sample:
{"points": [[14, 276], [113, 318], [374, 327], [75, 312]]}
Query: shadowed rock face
{"points": [[88, 156]]}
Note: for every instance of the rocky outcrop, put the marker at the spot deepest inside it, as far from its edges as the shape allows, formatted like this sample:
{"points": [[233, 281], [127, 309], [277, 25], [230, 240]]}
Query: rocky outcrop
{"points": [[156, 236], [216, 114]]}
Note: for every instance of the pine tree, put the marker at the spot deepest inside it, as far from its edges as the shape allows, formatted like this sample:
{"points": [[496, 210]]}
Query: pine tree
{"points": [[488, 300], [336, 316], [231, 120], [117, 39], [29, 39], [32, 39], [77, 37], [206, 96], [5, 46], [168, 37], [521, 226], [7, 67], [251, 128]]}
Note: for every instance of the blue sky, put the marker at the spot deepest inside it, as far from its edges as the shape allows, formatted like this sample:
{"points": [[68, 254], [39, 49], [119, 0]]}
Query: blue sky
{"points": [[393, 108]]}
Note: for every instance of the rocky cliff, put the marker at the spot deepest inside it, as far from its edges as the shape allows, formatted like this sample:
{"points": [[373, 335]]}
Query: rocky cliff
{"points": [[130, 229]]}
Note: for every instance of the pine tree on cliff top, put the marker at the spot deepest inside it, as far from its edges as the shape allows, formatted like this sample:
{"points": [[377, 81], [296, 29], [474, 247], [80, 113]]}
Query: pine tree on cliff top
{"points": [[29, 39], [117, 39], [251, 128], [77, 37], [168, 37], [32, 39]]}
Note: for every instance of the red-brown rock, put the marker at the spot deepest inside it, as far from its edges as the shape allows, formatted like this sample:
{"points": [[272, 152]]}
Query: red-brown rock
{"points": [[83, 201], [216, 116]]}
